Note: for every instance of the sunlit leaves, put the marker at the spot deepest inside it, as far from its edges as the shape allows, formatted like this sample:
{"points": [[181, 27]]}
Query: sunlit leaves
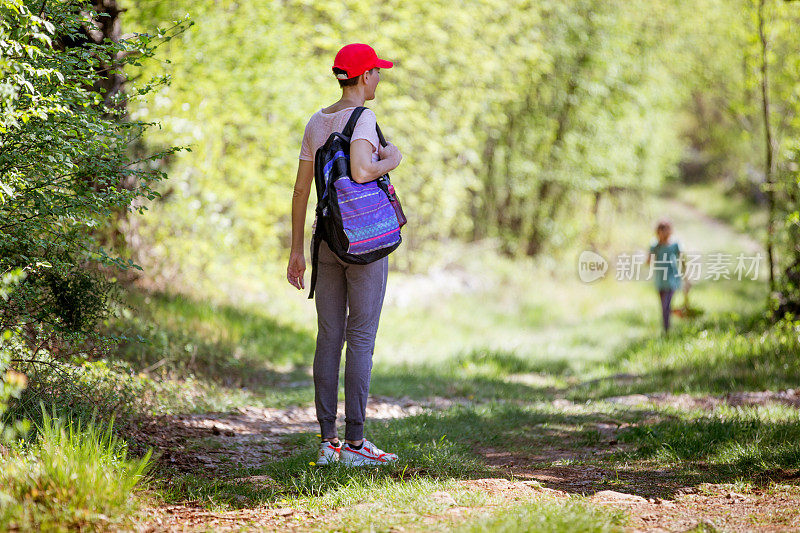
{"points": [[64, 155]]}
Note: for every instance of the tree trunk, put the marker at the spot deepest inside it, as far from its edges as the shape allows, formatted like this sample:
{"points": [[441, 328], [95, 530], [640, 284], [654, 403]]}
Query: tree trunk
{"points": [[107, 26], [769, 163]]}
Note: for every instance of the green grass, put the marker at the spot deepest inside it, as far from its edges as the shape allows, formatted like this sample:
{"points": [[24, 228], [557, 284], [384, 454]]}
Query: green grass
{"points": [[549, 516], [72, 477], [587, 357], [393, 496], [738, 442], [717, 355], [237, 489], [389, 503], [505, 375], [237, 345], [298, 477], [200, 356]]}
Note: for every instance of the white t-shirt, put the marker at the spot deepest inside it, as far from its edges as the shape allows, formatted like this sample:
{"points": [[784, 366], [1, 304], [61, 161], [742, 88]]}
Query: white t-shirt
{"points": [[321, 125]]}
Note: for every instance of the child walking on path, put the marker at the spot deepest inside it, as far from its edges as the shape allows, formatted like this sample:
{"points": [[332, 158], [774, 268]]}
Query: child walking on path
{"points": [[348, 297], [665, 254]]}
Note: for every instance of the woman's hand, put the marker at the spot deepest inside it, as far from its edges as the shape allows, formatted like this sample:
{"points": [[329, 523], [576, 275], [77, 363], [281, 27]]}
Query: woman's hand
{"points": [[363, 168], [296, 270], [390, 152]]}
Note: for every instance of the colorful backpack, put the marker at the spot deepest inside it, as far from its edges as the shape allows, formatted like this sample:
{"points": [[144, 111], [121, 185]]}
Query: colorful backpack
{"points": [[360, 221]]}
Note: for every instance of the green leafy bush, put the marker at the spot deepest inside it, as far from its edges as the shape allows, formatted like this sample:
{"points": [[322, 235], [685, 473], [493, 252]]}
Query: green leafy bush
{"points": [[67, 168], [12, 383], [82, 391]]}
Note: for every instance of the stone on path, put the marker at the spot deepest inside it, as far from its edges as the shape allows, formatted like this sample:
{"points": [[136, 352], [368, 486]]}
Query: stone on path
{"points": [[614, 496]]}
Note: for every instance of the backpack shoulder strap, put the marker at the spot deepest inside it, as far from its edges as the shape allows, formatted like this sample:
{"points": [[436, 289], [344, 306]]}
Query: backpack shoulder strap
{"points": [[351, 124], [380, 135], [316, 239]]}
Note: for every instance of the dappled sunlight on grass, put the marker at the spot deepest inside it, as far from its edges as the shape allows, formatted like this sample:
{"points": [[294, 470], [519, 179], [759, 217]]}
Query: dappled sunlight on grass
{"points": [[748, 441], [221, 354]]}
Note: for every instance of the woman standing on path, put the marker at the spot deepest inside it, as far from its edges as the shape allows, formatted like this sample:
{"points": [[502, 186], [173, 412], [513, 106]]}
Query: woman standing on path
{"points": [[348, 297]]}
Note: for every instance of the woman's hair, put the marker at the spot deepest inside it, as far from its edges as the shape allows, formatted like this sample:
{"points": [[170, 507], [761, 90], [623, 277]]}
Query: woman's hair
{"points": [[663, 224], [349, 82]]}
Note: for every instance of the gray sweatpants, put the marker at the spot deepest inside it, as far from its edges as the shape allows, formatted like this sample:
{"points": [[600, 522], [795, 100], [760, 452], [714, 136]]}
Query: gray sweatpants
{"points": [[349, 299]]}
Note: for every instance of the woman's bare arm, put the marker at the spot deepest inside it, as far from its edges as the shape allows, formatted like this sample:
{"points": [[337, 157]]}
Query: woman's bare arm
{"points": [[302, 188], [363, 168]]}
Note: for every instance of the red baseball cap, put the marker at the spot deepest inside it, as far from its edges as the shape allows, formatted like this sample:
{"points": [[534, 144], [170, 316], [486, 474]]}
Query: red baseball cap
{"points": [[355, 59]]}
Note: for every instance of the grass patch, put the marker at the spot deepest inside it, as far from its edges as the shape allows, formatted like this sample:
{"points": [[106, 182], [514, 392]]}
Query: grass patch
{"points": [[738, 442], [475, 381], [193, 356], [549, 516], [72, 477], [422, 451], [722, 353], [389, 503], [509, 353], [218, 493]]}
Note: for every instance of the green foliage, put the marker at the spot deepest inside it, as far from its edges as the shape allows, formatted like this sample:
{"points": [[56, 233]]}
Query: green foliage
{"points": [[518, 120], [83, 391], [79, 297], [511, 117], [12, 383], [73, 477], [788, 300], [11, 386], [725, 125], [66, 164]]}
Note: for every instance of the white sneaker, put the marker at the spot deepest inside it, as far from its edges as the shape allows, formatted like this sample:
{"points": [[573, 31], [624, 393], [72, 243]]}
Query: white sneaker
{"points": [[368, 454], [328, 453]]}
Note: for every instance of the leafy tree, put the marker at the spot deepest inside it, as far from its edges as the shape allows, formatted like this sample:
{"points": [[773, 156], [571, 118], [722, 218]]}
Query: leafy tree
{"points": [[64, 154], [779, 69], [743, 100]]}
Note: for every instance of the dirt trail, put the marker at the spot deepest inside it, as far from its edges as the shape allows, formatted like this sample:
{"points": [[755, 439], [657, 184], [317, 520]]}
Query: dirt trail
{"points": [[210, 444], [701, 231], [249, 437]]}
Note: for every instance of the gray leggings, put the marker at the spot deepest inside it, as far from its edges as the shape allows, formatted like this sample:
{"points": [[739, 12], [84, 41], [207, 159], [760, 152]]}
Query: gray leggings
{"points": [[349, 299]]}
